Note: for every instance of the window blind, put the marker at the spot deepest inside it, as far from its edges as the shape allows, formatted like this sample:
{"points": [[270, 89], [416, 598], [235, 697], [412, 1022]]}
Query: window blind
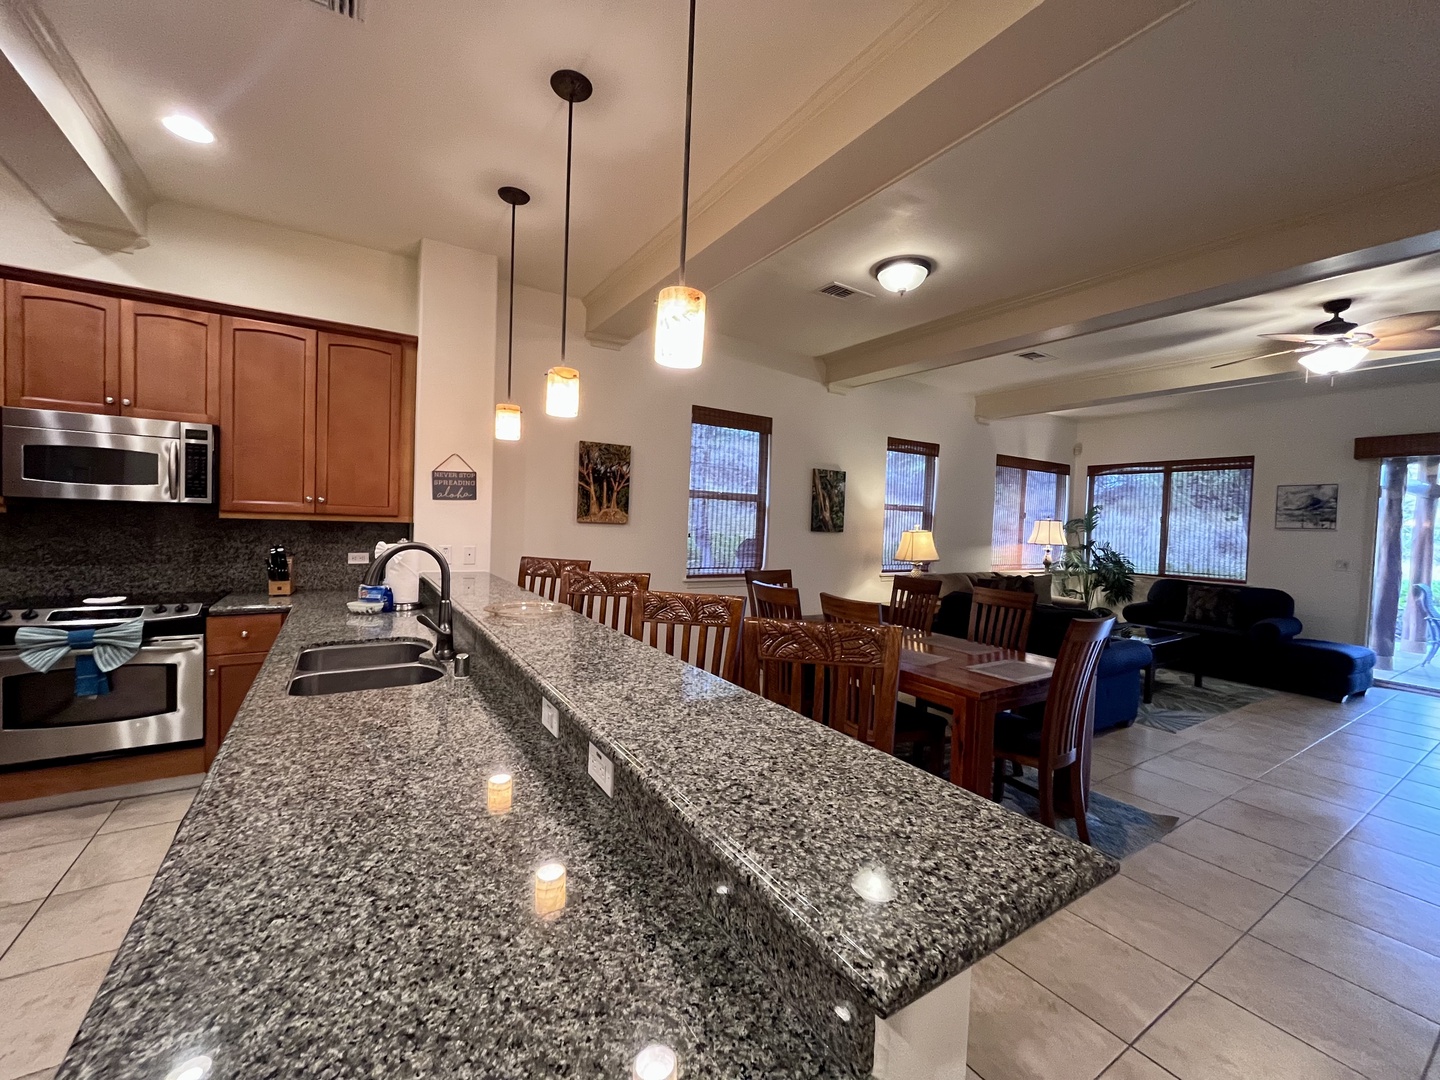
{"points": [[729, 471], [1026, 491], [909, 494], [1177, 518]]}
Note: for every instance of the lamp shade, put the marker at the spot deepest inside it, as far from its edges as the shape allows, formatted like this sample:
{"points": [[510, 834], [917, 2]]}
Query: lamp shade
{"points": [[507, 423], [1048, 532], [1332, 359], [562, 391], [680, 327], [916, 545]]}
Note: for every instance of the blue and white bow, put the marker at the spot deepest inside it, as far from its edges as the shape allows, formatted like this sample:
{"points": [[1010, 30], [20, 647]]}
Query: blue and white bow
{"points": [[97, 650]]}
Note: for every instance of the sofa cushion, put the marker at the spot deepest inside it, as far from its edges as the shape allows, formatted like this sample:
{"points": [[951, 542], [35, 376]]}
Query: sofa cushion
{"points": [[1039, 584], [1213, 605]]}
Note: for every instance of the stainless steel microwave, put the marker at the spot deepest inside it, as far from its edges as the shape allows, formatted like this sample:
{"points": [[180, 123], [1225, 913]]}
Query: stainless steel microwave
{"points": [[70, 455]]}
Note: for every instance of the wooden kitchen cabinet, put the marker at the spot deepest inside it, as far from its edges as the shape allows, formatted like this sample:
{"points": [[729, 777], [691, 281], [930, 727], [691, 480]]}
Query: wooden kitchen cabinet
{"points": [[267, 418], [169, 363], [235, 650], [360, 442], [62, 349]]}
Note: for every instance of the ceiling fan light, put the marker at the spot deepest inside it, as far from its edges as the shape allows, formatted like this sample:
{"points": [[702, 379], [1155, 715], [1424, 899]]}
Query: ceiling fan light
{"points": [[903, 274], [680, 327], [1333, 359]]}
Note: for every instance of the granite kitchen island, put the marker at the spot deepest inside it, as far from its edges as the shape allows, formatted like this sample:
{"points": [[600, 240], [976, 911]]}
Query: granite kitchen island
{"points": [[343, 899]]}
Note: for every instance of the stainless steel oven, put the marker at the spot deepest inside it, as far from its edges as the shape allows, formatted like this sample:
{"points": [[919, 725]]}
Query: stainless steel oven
{"points": [[70, 455], [155, 699]]}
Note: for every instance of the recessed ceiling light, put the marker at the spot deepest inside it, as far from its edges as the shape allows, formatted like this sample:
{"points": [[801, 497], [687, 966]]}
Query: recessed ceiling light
{"points": [[904, 273], [187, 127]]}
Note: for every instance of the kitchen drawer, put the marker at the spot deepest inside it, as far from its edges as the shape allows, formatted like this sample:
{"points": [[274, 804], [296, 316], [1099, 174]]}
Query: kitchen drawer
{"points": [[241, 633]]}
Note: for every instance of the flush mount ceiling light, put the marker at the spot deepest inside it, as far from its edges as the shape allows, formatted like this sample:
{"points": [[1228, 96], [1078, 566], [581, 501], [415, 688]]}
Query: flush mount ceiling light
{"points": [[562, 383], [507, 413], [680, 310], [188, 128], [903, 273]]}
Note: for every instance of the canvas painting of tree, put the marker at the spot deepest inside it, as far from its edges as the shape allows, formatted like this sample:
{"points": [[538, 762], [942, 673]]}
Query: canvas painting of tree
{"points": [[827, 501], [603, 496]]}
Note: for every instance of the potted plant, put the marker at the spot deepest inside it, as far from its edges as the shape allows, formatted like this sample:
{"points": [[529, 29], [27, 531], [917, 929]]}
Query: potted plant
{"points": [[1087, 569]]}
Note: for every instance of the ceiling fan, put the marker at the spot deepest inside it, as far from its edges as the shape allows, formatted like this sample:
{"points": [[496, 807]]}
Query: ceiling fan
{"points": [[1337, 344]]}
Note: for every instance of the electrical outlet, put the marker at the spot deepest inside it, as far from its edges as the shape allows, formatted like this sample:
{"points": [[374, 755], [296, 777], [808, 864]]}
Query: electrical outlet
{"points": [[445, 550], [550, 717], [469, 558], [602, 771], [357, 558], [467, 584]]}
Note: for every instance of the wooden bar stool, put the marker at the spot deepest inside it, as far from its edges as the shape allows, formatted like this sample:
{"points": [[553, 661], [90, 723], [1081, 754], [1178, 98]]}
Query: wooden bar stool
{"points": [[708, 625], [606, 597], [542, 576]]}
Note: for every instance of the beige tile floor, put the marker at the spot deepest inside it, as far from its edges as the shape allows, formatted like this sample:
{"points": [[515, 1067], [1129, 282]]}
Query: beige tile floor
{"points": [[1288, 928], [70, 883]]}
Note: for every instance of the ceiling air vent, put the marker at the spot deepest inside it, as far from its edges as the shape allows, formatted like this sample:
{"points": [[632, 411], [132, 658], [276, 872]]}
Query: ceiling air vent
{"points": [[351, 9], [1035, 357], [844, 292]]}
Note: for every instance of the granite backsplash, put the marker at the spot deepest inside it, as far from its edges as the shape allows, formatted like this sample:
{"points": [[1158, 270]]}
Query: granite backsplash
{"points": [[60, 548]]}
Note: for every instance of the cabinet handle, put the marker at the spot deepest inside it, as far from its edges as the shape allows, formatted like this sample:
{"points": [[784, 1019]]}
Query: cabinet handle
{"points": [[244, 633], [109, 400], [309, 498], [124, 401], [211, 673], [322, 498]]}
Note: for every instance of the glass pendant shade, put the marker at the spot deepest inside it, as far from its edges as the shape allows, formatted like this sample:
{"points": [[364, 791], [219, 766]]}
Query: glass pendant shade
{"points": [[562, 392], [507, 423], [1332, 359], [680, 327]]}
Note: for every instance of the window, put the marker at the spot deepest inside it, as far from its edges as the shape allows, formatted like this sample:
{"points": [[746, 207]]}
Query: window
{"points": [[1177, 518], [729, 473], [909, 494], [1026, 491]]}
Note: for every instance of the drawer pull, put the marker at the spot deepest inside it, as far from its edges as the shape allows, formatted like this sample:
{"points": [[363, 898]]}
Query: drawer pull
{"points": [[244, 633]]}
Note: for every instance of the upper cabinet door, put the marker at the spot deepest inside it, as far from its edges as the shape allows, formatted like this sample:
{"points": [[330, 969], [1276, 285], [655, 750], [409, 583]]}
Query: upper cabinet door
{"points": [[169, 363], [62, 349], [267, 418], [359, 451]]}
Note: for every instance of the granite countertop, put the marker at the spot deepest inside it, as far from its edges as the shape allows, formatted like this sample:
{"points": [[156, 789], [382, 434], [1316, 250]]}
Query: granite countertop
{"points": [[259, 603], [339, 902], [797, 810]]}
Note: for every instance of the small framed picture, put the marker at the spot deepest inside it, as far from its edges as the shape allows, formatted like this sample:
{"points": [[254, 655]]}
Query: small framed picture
{"points": [[1307, 506]]}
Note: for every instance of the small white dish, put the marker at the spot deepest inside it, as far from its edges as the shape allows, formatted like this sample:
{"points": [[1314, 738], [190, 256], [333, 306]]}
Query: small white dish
{"points": [[366, 607]]}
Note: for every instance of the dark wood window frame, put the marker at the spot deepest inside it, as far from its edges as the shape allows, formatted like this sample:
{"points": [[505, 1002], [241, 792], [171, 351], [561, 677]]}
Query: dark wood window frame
{"points": [[931, 452], [1029, 465], [1169, 468], [763, 425]]}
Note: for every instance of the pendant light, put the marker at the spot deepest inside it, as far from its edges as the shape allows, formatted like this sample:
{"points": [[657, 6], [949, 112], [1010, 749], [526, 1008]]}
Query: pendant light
{"points": [[507, 413], [680, 310], [562, 383]]}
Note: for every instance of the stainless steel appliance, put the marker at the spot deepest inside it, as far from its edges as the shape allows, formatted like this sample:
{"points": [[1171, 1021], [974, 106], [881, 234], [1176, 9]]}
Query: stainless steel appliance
{"points": [[155, 699], [70, 455]]}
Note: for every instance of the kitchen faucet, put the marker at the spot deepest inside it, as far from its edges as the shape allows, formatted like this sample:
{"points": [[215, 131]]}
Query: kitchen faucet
{"points": [[444, 649]]}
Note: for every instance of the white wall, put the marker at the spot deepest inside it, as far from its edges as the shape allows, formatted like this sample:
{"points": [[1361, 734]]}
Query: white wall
{"points": [[454, 395], [626, 398], [213, 256], [1305, 440]]}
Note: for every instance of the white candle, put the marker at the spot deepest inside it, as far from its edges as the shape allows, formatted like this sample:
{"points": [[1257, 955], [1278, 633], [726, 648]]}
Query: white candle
{"points": [[498, 791], [550, 889], [656, 1062]]}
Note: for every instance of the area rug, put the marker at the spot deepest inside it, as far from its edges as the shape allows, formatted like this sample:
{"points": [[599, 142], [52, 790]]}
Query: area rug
{"points": [[1179, 703], [1116, 827]]}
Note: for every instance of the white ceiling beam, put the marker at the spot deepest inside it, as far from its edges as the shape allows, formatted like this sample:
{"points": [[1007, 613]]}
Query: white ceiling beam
{"points": [[1132, 384], [58, 141], [943, 73], [1372, 230]]}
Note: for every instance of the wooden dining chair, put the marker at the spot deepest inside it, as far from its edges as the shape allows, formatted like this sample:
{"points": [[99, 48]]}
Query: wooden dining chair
{"points": [[775, 601], [841, 609], [842, 674], [765, 577], [1061, 739], [699, 628], [606, 597], [542, 576], [1000, 617], [914, 602]]}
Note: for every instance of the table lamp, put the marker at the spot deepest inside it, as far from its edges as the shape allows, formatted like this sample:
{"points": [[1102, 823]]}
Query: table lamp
{"points": [[1050, 533], [917, 547]]}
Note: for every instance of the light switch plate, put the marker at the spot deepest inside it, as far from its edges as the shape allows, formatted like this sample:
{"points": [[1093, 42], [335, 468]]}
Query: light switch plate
{"points": [[602, 771], [550, 717], [357, 558]]}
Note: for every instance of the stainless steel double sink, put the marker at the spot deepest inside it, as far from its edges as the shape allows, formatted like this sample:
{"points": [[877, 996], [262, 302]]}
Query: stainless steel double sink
{"points": [[362, 665]]}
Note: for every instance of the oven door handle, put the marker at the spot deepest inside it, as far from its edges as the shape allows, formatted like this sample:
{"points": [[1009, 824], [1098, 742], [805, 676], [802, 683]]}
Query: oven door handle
{"points": [[173, 645]]}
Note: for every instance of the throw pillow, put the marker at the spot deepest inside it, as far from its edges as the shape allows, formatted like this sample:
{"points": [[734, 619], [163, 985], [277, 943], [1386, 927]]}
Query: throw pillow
{"points": [[1008, 582], [1212, 605]]}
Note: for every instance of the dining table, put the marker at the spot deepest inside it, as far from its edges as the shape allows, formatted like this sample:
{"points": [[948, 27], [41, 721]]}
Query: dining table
{"points": [[975, 682]]}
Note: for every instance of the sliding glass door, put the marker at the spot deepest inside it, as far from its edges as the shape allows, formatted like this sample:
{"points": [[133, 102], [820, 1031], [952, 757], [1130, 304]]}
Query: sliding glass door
{"points": [[1404, 624]]}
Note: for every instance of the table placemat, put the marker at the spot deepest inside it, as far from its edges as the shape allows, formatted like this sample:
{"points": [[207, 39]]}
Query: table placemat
{"points": [[921, 659], [1016, 671]]}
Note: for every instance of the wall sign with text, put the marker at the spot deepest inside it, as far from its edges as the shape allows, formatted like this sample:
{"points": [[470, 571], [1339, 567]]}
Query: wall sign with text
{"points": [[451, 484]]}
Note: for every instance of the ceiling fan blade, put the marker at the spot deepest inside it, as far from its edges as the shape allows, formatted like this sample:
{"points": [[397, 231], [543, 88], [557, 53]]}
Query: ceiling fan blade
{"points": [[1262, 356], [1414, 322], [1412, 341], [1303, 339]]}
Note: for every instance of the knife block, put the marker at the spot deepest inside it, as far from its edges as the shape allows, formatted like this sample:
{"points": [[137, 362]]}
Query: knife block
{"points": [[286, 587]]}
